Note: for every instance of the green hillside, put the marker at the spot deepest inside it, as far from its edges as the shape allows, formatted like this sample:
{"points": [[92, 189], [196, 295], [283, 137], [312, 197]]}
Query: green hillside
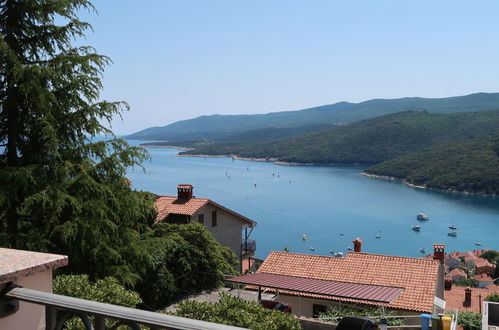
{"points": [[244, 128], [370, 141], [471, 165]]}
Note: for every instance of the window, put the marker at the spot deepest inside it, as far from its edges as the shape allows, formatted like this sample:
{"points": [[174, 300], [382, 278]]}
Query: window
{"points": [[317, 310], [201, 218], [214, 218]]}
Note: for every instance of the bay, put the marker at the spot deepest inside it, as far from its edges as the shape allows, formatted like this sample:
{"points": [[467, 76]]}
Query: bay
{"points": [[325, 202]]}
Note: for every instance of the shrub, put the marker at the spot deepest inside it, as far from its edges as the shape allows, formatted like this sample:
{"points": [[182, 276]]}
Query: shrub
{"points": [[336, 313], [470, 320], [106, 290], [234, 311], [493, 297]]}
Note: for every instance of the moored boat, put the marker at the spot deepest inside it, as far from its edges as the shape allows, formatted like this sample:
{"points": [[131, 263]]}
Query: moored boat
{"points": [[416, 228], [452, 227], [423, 250], [422, 217], [452, 233], [478, 244]]}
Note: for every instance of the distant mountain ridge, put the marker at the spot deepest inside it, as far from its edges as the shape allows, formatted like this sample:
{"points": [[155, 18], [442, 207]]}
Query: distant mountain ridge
{"points": [[243, 128], [369, 141]]}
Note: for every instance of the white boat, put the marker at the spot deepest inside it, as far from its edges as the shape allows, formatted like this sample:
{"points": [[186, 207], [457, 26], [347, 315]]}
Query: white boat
{"points": [[478, 244], [339, 254], [378, 236], [452, 227], [312, 248], [423, 250], [422, 217], [349, 248], [416, 228], [452, 233], [304, 237]]}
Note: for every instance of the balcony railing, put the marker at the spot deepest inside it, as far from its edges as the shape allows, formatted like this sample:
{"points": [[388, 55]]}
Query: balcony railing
{"points": [[248, 245], [59, 309]]}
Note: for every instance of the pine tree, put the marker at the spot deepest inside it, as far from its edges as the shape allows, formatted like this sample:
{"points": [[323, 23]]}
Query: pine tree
{"points": [[60, 190]]}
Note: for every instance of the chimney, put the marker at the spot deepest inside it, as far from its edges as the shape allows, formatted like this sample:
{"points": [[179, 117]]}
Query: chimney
{"points": [[439, 252], [357, 245], [448, 283], [467, 296], [184, 191]]}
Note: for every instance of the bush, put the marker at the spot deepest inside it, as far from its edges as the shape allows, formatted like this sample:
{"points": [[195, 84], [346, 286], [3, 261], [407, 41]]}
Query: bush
{"points": [[470, 320], [336, 313], [493, 297], [238, 312], [187, 259], [107, 290]]}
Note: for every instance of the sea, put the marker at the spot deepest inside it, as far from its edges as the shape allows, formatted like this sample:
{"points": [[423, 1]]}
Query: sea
{"points": [[331, 205]]}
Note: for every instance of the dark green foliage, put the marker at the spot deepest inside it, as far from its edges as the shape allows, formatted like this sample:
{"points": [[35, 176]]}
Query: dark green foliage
{"points": [[493, 297], [186, 259], [335, 314], [469, 165], [60, 191], [470, 320], [490, 255], [465, 282], [370, 141], [106, 290], [246, 128], [238, 312]]}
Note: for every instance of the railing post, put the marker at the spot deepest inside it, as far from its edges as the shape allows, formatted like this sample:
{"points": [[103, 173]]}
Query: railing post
{"points": [[50, 317], [100, 323]]}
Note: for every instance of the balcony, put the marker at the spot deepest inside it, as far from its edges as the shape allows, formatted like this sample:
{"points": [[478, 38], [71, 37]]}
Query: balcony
{"points": [[248, 246], [59, 309]]}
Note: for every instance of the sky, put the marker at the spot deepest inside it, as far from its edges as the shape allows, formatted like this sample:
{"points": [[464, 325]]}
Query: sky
{"points": [[179, 59]]}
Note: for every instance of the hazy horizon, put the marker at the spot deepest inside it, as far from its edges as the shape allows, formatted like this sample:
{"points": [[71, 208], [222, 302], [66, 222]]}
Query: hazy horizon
{"points": [[176, 60]]}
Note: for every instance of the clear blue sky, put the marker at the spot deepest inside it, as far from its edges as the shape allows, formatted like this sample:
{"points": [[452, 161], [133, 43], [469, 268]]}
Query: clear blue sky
{"points": [[180, 59]]}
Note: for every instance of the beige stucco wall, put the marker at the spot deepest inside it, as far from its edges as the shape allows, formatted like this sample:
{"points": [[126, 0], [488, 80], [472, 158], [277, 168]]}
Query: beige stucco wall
{"points": [[29, 316], [228, 231]]}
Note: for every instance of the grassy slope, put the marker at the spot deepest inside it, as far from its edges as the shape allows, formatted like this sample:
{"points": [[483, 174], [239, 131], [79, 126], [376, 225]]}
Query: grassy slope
{"points": [[221, 127], [370, 141], [471, 165]]}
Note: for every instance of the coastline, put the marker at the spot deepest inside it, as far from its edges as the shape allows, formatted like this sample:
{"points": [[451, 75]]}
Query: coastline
{"points": [[425, 187], [269, 160], [167, 147]]}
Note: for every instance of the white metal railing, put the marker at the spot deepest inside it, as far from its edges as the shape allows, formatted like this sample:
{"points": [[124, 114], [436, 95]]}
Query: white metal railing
{"points": [[59, 309]]}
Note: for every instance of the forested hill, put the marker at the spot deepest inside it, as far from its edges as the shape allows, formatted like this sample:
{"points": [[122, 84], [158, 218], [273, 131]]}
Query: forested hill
{"points": [[471, 165], [244, 128], [370, 141]]}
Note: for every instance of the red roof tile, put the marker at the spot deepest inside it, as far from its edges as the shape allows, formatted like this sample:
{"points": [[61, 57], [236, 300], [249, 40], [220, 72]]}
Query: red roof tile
{"points": [[456, 272], [483, 278], [416, 276], [166, 205], [454, 298]]}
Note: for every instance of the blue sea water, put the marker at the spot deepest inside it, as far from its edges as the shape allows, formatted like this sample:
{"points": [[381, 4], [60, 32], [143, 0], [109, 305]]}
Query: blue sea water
{"points": [[322, 202]]}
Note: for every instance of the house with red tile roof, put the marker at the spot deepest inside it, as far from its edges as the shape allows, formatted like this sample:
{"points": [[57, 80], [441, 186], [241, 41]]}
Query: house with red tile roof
{"points": [[483, 266], [311, 283], [483, 280], [458, 275], [467, 299], [227, 226]]}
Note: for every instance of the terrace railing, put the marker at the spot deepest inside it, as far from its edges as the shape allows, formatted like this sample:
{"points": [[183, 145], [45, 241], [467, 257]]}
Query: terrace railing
{"points": [[59, 309]]}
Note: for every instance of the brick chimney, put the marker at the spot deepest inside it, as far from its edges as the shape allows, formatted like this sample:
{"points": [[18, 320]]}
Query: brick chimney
{"points": [[357, 245], [184, 191], [467, 296], [439, 252]]}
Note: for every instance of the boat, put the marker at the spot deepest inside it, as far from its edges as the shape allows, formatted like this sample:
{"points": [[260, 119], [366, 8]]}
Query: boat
{"points": [[332, 252], [416, 228], [349, 248], [339, 254], [312, 248], [423, 250], [342, 234], [452, 227], [478, 244], [378, 236], [422, 217], [304, 237], [452, 233]]}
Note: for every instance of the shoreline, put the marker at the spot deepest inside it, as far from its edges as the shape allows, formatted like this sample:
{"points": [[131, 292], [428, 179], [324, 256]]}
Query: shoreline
{"points": [[250, 159], [167, 147], [425, 187]]}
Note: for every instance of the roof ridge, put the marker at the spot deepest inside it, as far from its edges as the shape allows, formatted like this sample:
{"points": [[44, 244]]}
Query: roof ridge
{"points": [[357, 253]]}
